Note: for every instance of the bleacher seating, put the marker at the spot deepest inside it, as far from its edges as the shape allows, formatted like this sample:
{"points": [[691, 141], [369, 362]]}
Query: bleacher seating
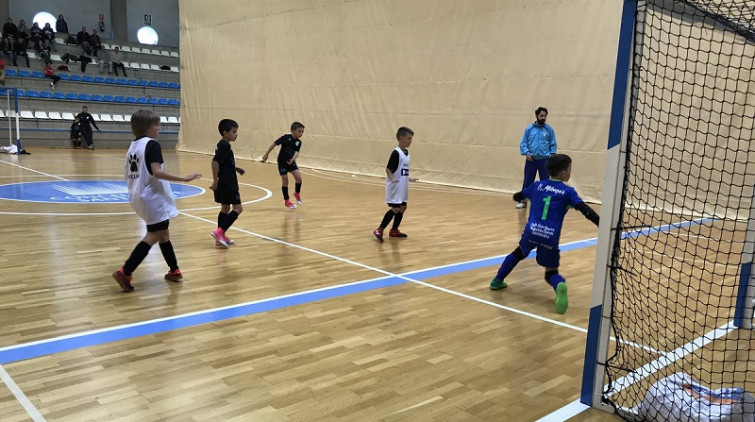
{"points": [[114, 98]]}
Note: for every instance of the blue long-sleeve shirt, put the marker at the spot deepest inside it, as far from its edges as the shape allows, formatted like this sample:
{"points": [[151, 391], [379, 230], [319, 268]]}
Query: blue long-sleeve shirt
{"points": [[538, 141]]}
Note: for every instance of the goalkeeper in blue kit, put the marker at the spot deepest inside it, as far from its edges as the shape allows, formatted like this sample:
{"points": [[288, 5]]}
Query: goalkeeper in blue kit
{"points": [[550, 200]]}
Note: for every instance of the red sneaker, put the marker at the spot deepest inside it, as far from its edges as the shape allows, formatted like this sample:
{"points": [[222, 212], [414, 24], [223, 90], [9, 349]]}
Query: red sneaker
{"points": [[174, 275], [297, 195], [396, 233], [379, 234], [123, 280], [289, 204], [220, 237]]}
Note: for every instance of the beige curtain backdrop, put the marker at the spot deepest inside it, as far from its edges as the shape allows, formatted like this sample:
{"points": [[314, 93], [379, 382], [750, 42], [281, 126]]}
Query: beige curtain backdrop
{"points": [[465, 75]]}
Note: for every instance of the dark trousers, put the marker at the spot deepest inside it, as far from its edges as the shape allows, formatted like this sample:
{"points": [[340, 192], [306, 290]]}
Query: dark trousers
{"points": [[55, 79], [86, 132], [17, 54], [116, 66], [533, 167]]}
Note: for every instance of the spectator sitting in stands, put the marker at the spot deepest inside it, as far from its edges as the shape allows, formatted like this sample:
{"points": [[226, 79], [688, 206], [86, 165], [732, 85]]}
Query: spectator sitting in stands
{"points": [[49, 73], [44, 54], [82, 38], [48, 35], [36, 36], [61, 25], [84, 59], [103, 58], [19, 49], [116, 57], [10, 29], [95, 42], [6, 48], [23, 31]]}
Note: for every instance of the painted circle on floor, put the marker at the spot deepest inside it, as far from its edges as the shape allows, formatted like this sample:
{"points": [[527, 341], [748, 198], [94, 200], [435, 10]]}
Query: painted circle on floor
{"points": [[82, 191]]}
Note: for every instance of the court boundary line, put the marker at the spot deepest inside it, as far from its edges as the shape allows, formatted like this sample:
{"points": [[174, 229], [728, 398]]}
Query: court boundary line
{"points": [[31, 410]]}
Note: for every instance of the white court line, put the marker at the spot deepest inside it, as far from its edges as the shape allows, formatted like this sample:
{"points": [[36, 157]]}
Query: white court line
{"points": [[32, 170], [570, 410], [20, 396]]}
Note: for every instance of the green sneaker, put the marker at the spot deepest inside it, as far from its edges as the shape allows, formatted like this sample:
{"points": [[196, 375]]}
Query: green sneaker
{"points": [[562, 300], [497, 284]]}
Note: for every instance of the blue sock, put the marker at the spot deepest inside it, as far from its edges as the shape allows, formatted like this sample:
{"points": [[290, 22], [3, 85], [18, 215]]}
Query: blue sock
{"points": [[555, 279], [508, 264]]}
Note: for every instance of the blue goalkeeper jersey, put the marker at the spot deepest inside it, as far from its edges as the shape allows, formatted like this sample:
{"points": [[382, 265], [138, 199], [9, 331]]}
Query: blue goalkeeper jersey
{"points": [[549, 201]]}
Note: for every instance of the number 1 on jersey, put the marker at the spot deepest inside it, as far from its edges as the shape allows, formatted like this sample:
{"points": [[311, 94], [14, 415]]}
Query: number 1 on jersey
{"points": [[547, 201]]}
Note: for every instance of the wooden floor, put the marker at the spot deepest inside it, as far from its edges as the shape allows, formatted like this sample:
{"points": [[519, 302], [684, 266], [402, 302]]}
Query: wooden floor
{"points": [[402, 345]]}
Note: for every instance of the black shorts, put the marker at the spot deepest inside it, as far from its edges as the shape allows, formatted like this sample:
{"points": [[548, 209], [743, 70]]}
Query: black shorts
{"points": [[397, 205], [231, 197], [284, 167], [163, 225]]}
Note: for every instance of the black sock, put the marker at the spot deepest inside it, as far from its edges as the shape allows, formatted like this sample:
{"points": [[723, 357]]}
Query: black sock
{"points": [[284, 189], [170, 255], [221, 218], [298, 187], [386, 219], [231, 217], [397, 220], [137, 256]]}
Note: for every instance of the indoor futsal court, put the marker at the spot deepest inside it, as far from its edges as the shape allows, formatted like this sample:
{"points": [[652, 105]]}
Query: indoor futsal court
{"points": [[306, 317]]}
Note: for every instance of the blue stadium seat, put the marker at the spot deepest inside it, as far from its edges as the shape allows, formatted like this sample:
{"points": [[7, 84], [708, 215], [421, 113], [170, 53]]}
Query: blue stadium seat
{"points": [[122, 81], [85, 97], [111, 81], [163, 84], [99, 79], [45, 94], [173, 102], [75, 77], [72, 96], [59, 96], [131, 100], [108, 99], [153, 84], [141, 100], [133, 82], [97, 97], [3, 91], [32, 93], [37, 74], [11, 72], [64, 76], [120, 99], [152, 101], [162, 101], [87, 78], [143, 82], [20, 92], [175, 85], [24, 73]]}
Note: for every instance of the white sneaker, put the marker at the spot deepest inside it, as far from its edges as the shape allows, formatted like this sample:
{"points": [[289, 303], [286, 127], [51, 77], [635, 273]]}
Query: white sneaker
{"points": [[521, 205]]}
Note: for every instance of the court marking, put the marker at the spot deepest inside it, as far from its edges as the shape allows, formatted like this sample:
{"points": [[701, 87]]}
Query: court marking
{"points": [[31, 410]]}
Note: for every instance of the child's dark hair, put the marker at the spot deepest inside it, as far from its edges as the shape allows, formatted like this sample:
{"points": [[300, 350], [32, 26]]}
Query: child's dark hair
{"points": [[296, 125], [403, 131], [142, 120], [226, 125], [557, 163], [539, 109]]}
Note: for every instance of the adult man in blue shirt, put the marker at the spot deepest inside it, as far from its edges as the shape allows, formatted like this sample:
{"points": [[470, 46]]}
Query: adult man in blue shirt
{"points": [[538, 143]]}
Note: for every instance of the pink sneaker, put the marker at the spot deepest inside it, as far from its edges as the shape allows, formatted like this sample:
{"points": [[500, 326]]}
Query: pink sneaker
{"points": [[220, 237], [297, 195], [289, 204], [174, 275], [123, 280]]}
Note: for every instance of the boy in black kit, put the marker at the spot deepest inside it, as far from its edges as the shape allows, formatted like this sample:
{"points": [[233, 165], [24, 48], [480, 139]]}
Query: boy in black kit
{"points": [[290, 145], [224, 182]]}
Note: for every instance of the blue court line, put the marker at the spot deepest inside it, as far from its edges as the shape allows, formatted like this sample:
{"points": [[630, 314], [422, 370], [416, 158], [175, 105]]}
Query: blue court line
{"points": [[93, 338]]}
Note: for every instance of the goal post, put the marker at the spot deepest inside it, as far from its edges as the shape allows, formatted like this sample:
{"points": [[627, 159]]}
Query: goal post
{"points": [[11, 114], [674, 288]]}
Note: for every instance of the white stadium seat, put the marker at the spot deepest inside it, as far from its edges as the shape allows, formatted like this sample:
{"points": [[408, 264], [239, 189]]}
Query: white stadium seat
{"points": [[145, 66], [54, 115], [174, 53], [136, 50], [165, 53], [118, 118], [40, 115], [95, 116], [106, 46], [154, 67], [172, 119], [68, 116], [126, 48], [163, 119], [174, 68], [133, 65], [106, 117], [25, 114]]}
